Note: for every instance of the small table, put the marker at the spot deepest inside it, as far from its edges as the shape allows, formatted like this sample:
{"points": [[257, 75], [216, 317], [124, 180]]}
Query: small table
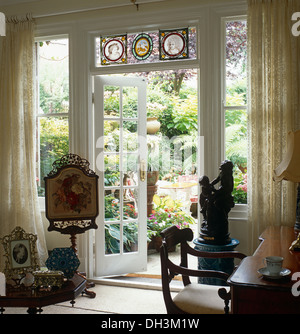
{"points": [[35, 300], [180, 188]]}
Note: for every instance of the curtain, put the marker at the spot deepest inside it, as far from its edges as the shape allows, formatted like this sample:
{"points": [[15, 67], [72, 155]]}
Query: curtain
{"points": [[18, 196], [274, 108]]}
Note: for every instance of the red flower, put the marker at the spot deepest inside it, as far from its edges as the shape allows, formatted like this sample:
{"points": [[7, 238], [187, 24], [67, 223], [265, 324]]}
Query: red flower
{"points": [[73, 200]]}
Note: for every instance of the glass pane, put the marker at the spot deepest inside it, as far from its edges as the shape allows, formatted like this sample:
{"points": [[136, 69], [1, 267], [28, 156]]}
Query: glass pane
{"points": [[236, 95], [130, 136], [53, 144], [111, 136], [130, 209], [112, 204], [130, 237], [130, 169], [130, 102], [237, 151], [111, 101], [112, 238], [236, 63], [111, 170], [53, 76]]}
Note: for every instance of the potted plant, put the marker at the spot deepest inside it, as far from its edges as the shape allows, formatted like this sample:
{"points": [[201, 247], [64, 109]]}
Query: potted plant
{"points": [[112, 231]]}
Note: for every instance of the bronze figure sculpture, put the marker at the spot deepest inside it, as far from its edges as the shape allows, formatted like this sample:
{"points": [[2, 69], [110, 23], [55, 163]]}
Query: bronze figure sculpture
{"points": [[216, 205]]}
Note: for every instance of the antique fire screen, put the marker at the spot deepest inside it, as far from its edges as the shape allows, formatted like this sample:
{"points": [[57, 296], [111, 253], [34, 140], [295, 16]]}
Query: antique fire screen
{"points": [[71, 193]]}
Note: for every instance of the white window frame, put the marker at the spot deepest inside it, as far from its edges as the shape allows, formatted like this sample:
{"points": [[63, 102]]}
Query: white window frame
{"points": [[80, 29], [240, 211]]}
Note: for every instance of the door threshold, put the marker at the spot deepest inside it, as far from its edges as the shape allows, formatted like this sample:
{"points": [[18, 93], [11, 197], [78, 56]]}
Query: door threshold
{"points": [[138, 281]]}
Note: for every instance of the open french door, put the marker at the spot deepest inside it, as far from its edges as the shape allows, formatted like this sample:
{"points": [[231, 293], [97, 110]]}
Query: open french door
{"points": [[120, 162]]}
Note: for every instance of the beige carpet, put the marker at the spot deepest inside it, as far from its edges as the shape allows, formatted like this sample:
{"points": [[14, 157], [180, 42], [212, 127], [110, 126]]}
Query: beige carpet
{"points": [[109, 299]]}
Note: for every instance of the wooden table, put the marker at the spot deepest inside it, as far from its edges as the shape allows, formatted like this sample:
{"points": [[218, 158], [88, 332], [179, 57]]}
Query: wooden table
{"points": [[251, 292], [35, 300]]}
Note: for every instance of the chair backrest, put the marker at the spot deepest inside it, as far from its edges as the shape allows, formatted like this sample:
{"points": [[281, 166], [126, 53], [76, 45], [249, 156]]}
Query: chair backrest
{"points": [[173, 236]]}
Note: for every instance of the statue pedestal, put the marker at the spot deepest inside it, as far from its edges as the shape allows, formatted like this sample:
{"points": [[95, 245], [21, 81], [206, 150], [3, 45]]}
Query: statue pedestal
{"points": [[221, 264]]}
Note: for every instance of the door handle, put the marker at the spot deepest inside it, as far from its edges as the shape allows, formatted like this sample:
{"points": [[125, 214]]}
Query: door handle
{"points": [[143, 168]]}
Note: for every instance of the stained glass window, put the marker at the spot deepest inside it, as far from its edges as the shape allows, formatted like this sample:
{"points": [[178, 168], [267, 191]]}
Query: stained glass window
{"points": [[114, 50], [142, 46], [173, 44], [147, 47]]}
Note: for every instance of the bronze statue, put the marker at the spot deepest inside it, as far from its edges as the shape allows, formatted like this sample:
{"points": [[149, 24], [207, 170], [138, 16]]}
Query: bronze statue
{"points": [[216, 205]]}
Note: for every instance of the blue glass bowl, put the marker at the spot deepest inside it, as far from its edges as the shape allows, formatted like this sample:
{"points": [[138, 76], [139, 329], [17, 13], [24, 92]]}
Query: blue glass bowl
{"points": [[63, 259]]}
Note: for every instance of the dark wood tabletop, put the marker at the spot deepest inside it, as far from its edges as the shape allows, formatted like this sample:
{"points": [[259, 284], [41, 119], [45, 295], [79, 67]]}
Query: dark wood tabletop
{"points": [[275, 241], [34, 300]]}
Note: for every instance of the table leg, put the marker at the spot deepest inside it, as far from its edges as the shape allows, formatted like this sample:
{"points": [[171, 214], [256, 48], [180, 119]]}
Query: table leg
{"points": [[32, 310]]}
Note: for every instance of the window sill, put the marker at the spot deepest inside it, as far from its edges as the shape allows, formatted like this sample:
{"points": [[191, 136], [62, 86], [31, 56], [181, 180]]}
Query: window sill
{"points": [[239, 212], [42, 204]]}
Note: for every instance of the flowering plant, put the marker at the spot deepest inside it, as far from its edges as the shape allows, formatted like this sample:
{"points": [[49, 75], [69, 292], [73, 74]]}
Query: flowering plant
{"points": [[166, 213], [243, 185], [240, 188], [173, 174]]}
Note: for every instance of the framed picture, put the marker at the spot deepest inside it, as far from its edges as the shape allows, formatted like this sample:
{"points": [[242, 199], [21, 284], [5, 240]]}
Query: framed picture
{"points": [[173, 44], [114, 50], [142, 46], [71, 195], [20, 253]]}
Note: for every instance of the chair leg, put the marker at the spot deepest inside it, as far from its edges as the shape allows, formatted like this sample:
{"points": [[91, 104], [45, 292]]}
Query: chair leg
{"points": [[226, 296]]}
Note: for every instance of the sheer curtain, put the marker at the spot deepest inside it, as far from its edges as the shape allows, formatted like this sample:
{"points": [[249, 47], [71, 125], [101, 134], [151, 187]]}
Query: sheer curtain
{"points": [[18, 196], [274, 108]]}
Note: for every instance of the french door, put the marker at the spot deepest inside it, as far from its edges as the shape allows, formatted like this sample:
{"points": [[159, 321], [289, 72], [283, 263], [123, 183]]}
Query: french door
{"points": [[120, 162]]}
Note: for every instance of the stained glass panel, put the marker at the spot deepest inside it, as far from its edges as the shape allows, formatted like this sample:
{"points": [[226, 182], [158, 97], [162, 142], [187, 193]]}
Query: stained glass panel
{"points": [[114, 50], [148, 47], [142, 46], [173, 44]]}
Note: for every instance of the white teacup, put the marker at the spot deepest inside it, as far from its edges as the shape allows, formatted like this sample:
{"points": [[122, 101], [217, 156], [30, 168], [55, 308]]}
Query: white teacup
{"points": [[273, 264]]}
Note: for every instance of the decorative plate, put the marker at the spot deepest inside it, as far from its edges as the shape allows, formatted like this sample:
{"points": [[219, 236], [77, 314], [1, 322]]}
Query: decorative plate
{"points": [[63, 259]]}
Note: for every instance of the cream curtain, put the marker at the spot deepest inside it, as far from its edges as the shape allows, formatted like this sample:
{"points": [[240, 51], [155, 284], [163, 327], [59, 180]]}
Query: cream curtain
{"points": [[274, 108], [18, 196]]}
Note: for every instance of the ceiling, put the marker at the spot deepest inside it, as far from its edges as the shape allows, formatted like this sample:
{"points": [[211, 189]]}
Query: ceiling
{"points": [[14, 2], [100, 3], [39, 8]]}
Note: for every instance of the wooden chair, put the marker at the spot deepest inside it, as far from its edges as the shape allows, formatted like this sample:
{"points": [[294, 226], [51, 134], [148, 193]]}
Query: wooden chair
{"points": [[194, 298]]}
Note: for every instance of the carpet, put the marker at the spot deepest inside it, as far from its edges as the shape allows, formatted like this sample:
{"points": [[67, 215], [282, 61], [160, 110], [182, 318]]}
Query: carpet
{"points": [[108, 300]]}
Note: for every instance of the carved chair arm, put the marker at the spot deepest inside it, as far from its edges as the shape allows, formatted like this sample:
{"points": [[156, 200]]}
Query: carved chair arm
{"points": [[177, 270], [222, 254]]}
